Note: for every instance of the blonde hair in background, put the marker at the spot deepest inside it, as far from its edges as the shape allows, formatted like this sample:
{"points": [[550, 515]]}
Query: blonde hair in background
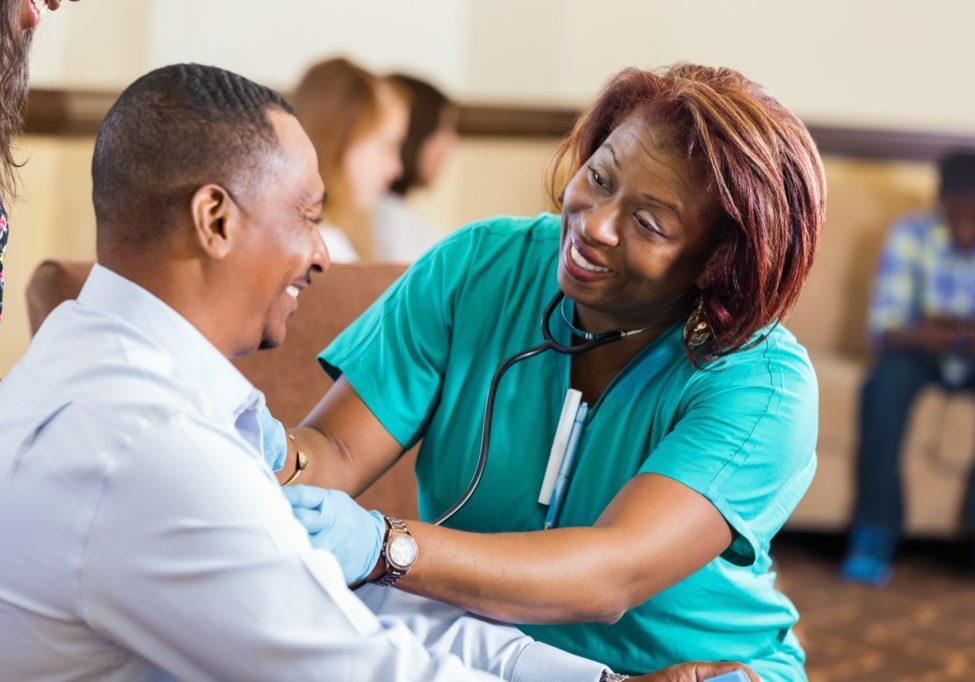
{"points": [[338, 103]]}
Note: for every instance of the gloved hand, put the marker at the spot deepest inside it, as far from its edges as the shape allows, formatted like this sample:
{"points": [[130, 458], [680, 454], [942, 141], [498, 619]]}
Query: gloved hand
{"points": [[275, 440], [337, 524]]}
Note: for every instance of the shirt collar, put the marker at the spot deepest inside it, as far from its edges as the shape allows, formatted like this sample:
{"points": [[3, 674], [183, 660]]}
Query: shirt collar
{"points": [[196, 360]]}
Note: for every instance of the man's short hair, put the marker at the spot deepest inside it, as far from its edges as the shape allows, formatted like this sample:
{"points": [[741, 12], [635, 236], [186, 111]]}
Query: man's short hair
{"points": [[171, 132], [957, 171]]}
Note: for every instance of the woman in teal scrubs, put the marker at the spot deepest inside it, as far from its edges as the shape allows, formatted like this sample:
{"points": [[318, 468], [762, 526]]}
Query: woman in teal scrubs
{"points": [[691, 205]]}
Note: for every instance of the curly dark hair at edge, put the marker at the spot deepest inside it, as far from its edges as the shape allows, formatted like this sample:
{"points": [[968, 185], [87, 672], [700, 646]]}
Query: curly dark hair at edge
{"points": [[761, 165], [14, 49]]}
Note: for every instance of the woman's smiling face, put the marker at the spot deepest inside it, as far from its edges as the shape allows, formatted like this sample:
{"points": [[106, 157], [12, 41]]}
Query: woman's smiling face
{"points": [[637, 222]]}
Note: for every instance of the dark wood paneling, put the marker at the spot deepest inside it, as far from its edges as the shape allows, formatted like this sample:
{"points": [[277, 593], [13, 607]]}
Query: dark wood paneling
{"points": [[76, 112], [478, 120], [872, 143], [67, 112]]}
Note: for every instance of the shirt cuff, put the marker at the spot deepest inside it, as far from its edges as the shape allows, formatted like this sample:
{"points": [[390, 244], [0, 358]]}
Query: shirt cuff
{"points": [[274, 440], [543, 663]]}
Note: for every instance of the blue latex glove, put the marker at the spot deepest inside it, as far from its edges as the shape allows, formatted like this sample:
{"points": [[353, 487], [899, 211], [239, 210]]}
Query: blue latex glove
{"points": [[736, 676], [337, 524], [275, 439]]}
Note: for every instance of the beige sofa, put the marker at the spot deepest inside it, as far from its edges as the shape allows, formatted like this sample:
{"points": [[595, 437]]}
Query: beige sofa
{"points": [[864, 198]]}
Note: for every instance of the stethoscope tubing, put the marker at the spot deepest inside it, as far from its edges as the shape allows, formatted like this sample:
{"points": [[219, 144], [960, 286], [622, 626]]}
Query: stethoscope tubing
{"points": [[550, 343]]}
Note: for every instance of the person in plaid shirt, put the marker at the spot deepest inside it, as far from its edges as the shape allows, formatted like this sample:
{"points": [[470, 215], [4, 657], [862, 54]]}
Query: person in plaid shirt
{"points": [[922, 328]]}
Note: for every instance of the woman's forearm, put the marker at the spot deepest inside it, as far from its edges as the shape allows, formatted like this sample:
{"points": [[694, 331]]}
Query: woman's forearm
{"points": [[654, 534], [330, 464], [558, 576], [346, 445]]}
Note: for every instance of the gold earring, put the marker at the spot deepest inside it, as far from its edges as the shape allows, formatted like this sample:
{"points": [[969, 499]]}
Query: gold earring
{"points": [[697, 331]]}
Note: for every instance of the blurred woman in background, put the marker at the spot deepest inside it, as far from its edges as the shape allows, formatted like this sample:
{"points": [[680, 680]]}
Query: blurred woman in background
{"points": [[18, 18], [399, 233], [357, 122]]}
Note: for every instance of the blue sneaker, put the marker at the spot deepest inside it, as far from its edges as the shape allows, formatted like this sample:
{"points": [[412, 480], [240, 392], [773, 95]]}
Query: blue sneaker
{"points": [[870, 556]]}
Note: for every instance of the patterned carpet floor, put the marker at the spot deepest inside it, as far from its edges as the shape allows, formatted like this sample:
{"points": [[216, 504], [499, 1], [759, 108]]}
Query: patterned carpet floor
{"points": [[920, 628]]}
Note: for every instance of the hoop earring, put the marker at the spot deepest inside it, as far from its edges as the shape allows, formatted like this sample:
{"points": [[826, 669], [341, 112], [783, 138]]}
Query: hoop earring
{"points": [[697, 331]]}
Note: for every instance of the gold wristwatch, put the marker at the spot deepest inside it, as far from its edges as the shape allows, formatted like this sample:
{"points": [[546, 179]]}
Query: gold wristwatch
{"points": [[399, 551]]}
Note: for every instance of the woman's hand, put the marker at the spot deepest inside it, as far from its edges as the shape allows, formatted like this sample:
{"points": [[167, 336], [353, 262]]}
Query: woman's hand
{"points": [[336, 524], [697, 672]]}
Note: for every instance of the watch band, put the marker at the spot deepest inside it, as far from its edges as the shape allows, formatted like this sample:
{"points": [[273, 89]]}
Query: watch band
{"points": [[393, 572], [610, 676]]}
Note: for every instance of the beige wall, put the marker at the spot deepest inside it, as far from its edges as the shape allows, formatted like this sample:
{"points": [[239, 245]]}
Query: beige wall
{"points": [[51, 218], [488, 177], [872, 62], [96, 45], [898, 63]]}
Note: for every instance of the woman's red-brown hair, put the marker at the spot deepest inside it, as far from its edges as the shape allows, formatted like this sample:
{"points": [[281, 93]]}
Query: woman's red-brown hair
{"points": [[762, 167]]}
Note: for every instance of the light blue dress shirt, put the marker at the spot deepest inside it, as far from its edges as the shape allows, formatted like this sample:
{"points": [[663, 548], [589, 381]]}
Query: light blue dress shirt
{"points": [[143, 537]]}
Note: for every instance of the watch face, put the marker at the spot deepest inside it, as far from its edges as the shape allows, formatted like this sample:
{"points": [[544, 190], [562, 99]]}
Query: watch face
{"points": [[402, 551]]}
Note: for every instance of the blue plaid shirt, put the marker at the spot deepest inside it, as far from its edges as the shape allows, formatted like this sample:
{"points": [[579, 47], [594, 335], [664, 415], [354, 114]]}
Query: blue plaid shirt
{"points": [[921, 274]]}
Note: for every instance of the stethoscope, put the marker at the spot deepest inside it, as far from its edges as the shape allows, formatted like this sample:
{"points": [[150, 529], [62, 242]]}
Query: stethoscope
{"points": [[590, 342]]}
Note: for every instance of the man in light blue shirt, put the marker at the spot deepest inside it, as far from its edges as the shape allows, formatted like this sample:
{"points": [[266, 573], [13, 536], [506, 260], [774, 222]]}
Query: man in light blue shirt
{"points": [[142, 535]]}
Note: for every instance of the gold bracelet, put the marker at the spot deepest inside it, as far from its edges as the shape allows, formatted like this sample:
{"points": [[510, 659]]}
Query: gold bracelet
{"points": [[300, 464]]}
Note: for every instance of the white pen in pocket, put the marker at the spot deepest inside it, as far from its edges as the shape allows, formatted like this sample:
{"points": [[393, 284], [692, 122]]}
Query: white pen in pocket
{"points": [[568, 464], [562, 431]]}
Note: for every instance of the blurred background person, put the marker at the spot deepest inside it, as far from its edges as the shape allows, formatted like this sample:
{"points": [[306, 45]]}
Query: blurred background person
{"points": [[357, 122], [922, 325], [399, 233], [18, 18]]}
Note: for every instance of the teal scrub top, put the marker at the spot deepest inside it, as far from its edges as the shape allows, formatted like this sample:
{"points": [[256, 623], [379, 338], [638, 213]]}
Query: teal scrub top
{"points": [[741, 432]]}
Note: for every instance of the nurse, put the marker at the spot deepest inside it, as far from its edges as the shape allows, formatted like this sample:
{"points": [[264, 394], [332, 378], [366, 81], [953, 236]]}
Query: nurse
{"points": [[691, 206]]}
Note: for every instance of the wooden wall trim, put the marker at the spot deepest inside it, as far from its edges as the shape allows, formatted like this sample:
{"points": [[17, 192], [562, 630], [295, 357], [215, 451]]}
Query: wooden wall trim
{"points": [[67, 112], [874, 143], [79, 112]]}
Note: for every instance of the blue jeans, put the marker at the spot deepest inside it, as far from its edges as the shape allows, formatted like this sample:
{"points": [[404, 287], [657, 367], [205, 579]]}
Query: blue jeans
{"points": [[895, 381]]}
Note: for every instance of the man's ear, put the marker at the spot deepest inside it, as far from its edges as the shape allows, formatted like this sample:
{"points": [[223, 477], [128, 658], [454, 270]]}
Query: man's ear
{"points": [[215, 220]]}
